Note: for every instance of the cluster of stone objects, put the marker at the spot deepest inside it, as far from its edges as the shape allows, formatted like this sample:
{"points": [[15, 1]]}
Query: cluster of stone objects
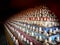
{"points": [[39, 23]]}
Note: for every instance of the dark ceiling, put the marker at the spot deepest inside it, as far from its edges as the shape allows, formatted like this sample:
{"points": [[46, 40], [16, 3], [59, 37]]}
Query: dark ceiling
{"points": [[10, 7]]}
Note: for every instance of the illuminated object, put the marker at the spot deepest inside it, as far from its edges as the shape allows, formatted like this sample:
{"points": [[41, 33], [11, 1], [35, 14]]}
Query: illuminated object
{"points": [[17, 42], [39, 23]]}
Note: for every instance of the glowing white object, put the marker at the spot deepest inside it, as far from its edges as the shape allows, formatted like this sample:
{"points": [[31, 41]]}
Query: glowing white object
{"points": [[27, 41], [32, 34], [31, 43], [17, 43]]}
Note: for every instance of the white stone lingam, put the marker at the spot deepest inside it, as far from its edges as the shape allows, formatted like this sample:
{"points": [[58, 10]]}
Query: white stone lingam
{"points": [[46, 40], [16, 42], [31, 43], [24, 39], [27, 41], [40, 38], [27, 32], [32, 34], [50, 31], [37, 37], [57, 30], [14, 39], [50, 41], [40, 29], [58, 39], [54, 32]]}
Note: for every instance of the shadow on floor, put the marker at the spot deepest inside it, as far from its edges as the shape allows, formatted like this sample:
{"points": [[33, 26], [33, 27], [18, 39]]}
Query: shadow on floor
{"points": [[3, 40]]}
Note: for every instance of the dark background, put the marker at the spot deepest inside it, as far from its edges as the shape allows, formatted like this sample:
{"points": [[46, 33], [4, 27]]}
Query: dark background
{"points": [[11, 7]]}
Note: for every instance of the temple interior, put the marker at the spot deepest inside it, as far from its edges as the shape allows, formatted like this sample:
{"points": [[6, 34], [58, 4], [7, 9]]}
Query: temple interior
{"points": [[29, 22]]}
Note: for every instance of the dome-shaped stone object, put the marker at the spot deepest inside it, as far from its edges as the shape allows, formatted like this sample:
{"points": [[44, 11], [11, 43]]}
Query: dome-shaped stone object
{"points": [[39, 23]]}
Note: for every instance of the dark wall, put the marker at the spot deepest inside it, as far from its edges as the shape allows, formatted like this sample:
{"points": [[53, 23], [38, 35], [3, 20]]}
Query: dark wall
{"points": [[1, 30], [53, 5], [10, 7]]}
